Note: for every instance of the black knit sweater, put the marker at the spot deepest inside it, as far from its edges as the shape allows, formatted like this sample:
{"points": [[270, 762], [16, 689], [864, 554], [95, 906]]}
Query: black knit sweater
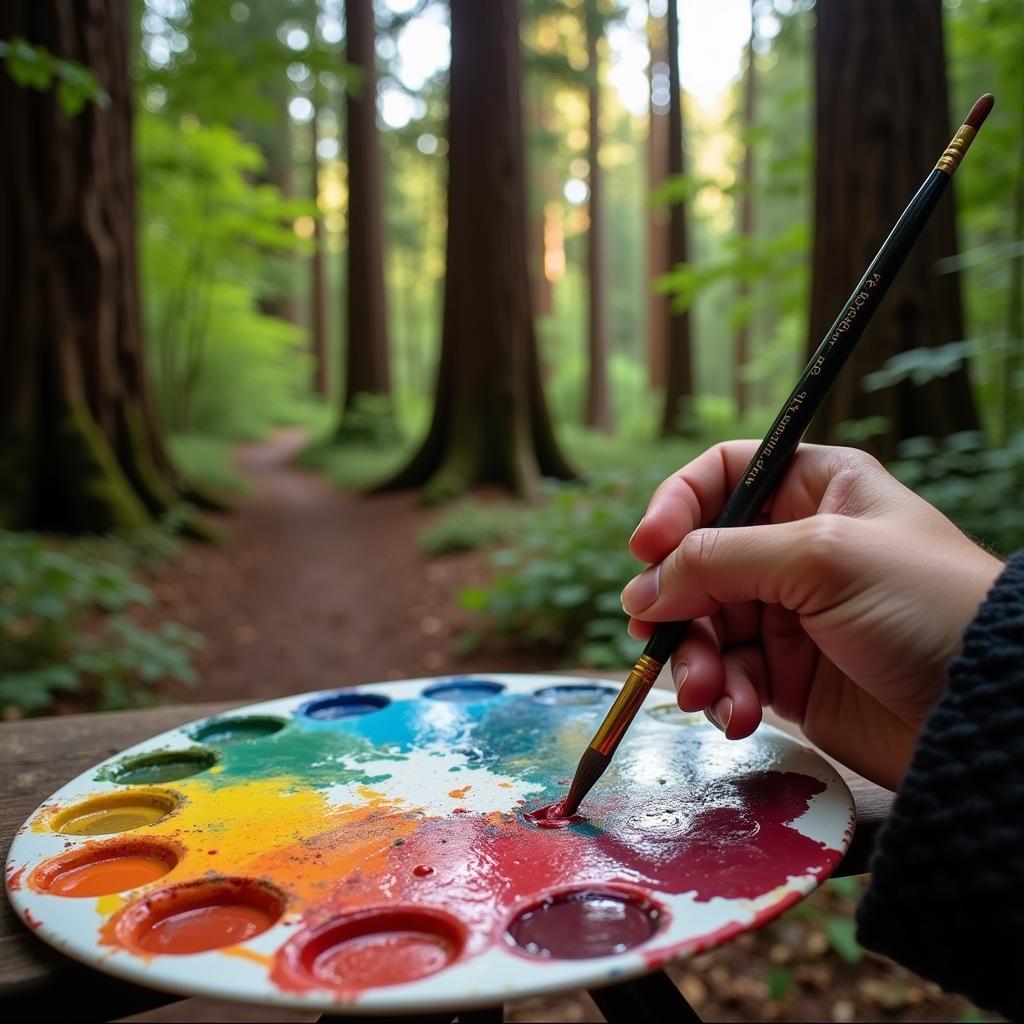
{"points": [[947, 890]]}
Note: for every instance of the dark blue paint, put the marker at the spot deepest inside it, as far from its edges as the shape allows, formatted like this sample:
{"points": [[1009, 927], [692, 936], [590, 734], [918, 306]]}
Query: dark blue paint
{"points": [[344, 705]]}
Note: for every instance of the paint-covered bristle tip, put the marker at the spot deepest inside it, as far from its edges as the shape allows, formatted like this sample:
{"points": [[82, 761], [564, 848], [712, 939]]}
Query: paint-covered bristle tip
{"points": [[981, 109], [590, 769]]}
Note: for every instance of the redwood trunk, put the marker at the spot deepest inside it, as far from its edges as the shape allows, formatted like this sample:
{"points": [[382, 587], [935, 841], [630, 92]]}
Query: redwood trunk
{"points": [[490, 420], [741, 352], [882, 120], [79, 448], [678, 414], [657, 218], [598, 414], [367, 363], [318, 288]]}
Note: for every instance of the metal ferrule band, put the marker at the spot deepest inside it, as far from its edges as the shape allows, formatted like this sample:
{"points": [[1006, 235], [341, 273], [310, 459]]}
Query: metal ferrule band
{"points": [[954, 152], [627, 704]]}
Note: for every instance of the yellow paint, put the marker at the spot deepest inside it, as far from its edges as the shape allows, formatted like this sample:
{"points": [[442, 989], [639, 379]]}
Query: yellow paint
{"points": [[109, 904]]}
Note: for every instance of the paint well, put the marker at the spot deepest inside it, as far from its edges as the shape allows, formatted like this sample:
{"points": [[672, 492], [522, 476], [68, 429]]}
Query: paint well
{"points": [[464, 691], [222, 731], [115, 812], [104, 868], [670, 714], [371, 949], [344, 705], [160, 766], [575, 696], [584, 924], [198, 916]]}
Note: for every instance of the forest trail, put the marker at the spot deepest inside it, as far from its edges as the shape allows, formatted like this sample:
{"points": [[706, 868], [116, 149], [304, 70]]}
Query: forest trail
{"points": [[314, 587]]}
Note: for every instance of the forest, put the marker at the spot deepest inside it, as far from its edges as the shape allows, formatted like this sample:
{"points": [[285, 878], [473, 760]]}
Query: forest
{"points": [[347, 340]]}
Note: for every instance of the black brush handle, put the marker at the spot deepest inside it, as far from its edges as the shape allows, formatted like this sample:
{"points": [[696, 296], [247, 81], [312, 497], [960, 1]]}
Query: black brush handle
{"points": [[765, 469]]}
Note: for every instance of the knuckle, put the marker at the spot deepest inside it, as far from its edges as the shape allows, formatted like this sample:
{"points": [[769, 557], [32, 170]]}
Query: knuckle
{"points": [[824, 536]]}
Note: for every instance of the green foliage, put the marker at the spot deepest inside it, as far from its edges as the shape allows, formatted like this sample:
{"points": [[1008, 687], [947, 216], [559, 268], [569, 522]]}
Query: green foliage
{"points": [[978, 486], [36, 68], [210, 238], [470, 525], [559, 584], [370, 422], [779, 980], [206, 461], [65, 628]]}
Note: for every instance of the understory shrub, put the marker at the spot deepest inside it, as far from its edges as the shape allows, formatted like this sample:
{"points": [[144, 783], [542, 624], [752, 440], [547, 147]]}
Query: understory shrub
{"points": [[559, 583], [65, 627]]}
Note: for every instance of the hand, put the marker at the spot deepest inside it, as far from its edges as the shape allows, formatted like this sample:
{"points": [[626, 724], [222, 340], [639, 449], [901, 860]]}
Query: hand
{"points": [[840, 609]]}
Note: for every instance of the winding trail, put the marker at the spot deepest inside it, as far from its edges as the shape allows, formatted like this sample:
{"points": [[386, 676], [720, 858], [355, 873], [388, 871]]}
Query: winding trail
{"points": [[315, 587]]}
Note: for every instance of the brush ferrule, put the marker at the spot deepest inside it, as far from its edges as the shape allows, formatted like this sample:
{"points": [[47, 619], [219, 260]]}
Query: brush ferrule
{"points": [[626, 705], [954, 152]]}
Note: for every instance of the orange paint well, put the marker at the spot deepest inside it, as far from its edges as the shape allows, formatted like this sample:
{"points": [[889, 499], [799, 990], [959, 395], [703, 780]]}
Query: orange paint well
{"points": [[102, 869], [197, 916]]}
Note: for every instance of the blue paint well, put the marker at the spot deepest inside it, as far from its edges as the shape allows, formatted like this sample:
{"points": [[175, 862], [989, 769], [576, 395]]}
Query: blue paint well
{"points": [[464, 691], [344, 705]]}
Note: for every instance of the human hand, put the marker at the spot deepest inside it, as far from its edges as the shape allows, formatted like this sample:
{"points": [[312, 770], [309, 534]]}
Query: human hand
{"points": [[840, 608]]}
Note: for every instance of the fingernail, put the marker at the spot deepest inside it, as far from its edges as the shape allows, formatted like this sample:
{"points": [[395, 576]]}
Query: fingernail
{"points": [[636, 531], [720, 713], [641, 591], [680, 670]]}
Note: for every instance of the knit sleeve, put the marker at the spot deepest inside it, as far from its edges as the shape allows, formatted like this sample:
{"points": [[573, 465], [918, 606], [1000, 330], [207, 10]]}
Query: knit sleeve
{"points": [[946, 897]]}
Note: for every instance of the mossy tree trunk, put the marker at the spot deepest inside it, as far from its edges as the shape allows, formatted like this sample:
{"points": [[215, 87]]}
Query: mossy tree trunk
{"points": [[882, 120], [598, 412], [678, 412], [490, 422], [79, 445], [367, 356]]}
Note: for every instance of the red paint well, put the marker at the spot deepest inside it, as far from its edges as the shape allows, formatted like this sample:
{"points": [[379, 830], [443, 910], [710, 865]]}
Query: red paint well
{"points": [[369, 949]]}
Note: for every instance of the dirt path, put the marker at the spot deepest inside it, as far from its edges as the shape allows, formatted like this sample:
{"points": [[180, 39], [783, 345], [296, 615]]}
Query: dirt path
{"points": [[315, 587]]}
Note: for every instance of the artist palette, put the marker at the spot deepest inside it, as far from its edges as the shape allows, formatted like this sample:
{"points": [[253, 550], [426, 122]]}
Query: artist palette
{"points": [[373, 848]]}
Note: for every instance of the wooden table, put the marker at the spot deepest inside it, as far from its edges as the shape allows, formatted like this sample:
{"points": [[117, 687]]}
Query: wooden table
{"points": [[38, 983]]}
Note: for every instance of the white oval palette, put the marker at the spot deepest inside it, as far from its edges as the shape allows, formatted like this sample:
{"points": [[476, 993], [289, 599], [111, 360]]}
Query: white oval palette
{"points": [[369, 848]]}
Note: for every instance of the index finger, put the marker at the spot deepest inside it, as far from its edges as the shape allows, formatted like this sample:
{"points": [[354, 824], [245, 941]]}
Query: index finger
{"points": [[693, 496], [690, 498]]}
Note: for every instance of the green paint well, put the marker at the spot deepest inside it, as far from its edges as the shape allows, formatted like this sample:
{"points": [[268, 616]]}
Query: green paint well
{"points": [[222, 731], [159, 766]]}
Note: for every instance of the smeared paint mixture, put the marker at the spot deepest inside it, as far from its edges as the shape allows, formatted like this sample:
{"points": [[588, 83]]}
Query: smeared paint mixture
{"points": [[360, 812]]}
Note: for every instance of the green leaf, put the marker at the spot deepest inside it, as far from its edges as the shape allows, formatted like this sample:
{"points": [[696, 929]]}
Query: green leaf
{"points": [[841, 932]]}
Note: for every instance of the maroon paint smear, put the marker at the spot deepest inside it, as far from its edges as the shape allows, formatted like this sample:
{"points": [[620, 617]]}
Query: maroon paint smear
{"points": [[552, 816], [731, 840]]}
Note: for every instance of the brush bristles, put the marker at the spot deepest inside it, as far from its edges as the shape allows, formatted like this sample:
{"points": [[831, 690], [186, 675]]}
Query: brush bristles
{"points": [[590, 769]]}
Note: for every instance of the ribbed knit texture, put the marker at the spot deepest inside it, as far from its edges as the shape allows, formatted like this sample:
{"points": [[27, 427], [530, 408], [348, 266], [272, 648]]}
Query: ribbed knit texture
{"points": [[947, 889]]}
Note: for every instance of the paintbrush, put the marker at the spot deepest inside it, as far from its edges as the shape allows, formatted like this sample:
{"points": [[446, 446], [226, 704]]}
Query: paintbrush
{"points": [[772, 457]]}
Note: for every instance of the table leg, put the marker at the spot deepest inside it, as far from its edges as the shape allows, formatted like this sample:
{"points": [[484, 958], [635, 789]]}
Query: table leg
{"points": [[651, 999]]}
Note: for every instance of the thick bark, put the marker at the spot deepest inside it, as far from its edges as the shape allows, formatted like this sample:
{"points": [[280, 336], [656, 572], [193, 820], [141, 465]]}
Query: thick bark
{"points": [[657, 216], [490, 421], [882, 119], [367, 362], [741, 350], [79, 447], [318, 284], [678, 414], [598, 412]]}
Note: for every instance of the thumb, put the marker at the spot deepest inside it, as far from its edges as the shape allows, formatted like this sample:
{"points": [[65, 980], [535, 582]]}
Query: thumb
{"points": [[795, 564]]}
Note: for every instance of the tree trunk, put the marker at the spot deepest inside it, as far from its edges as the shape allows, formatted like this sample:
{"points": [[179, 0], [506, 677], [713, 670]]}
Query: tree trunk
{"points": [[882, 120], [741, 352], [79, 447], [490, 421], [367, 362], [598, 413], [318, 288], [678, 414], [657, 215]]}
